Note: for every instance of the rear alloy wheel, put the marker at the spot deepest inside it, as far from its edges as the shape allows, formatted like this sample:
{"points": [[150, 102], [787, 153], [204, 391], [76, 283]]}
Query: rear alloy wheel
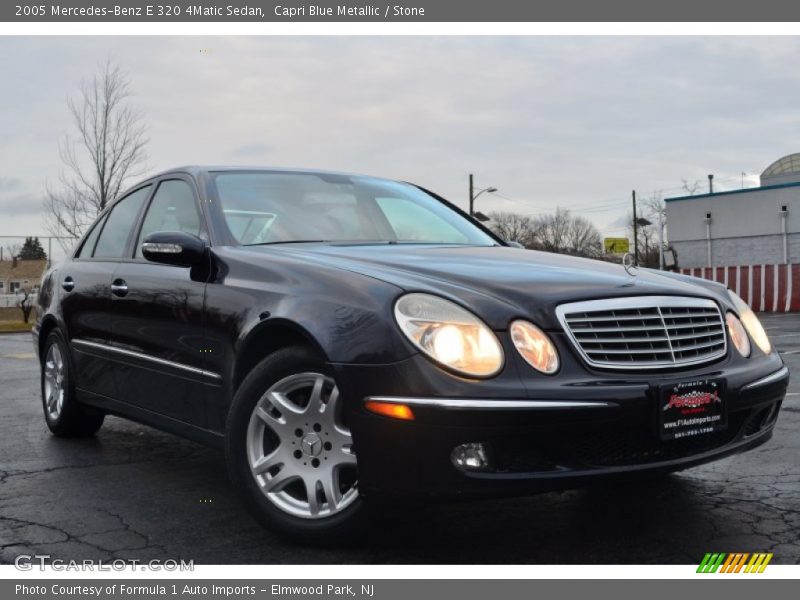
{"points": [[300, 452], [290, 453], [64, 415], [54, 380]]}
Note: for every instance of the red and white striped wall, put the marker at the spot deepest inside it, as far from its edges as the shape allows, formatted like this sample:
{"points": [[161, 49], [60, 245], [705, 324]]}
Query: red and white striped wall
{"points": [[766, 288]]}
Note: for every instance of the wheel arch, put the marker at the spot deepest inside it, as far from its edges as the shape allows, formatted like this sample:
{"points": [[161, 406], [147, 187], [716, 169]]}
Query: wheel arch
{"points": [[49, 324], [266, 338]]}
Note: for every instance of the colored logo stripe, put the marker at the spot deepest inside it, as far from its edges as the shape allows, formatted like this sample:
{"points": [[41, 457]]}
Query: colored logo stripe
{"points": [[758, 563], [711, 562], [734, 562]]}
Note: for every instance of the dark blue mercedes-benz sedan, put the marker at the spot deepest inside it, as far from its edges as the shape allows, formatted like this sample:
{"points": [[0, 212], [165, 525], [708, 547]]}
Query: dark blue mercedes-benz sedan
{"points": [[348, 339]]}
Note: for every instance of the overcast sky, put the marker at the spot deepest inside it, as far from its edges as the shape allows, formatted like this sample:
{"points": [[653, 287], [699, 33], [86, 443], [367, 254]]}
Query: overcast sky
{"points": [[575, 122]]}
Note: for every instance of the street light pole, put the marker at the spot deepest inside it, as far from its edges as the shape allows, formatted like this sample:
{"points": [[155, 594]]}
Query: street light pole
{"points": [[471, 196], [635, 232]]}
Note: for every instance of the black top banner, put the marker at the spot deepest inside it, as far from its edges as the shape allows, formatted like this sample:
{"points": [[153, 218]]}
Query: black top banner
{"points": [[141, 11]]}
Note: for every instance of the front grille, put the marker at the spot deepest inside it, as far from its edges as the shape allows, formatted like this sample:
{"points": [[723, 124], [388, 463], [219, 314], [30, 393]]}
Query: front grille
{"points": [[645, 331]]}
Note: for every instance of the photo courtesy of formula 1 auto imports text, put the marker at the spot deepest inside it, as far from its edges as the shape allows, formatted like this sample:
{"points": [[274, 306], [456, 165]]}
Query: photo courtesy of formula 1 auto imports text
{"points": [[346, 300]]}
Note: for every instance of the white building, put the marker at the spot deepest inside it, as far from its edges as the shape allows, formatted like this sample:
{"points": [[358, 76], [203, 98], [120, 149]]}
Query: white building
{"points": [[740, 227]]}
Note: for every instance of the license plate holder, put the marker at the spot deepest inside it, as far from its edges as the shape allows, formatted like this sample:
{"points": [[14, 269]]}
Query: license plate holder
{"points": [[691, 408]]}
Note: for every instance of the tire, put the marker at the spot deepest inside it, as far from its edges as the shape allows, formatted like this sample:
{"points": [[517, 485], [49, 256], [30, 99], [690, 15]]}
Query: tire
{"points": [[289, 453], [64, 415]]}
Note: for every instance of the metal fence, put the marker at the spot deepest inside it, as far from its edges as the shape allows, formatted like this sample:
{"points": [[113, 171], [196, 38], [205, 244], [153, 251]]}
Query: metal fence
{"points": [[12, 300], [767, 288], [56, 247]]}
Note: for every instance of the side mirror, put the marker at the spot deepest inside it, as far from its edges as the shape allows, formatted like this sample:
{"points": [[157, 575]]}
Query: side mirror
{"points": [[514, 244], [174, 248]]}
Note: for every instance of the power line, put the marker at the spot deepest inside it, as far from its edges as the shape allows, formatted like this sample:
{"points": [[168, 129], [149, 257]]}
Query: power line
{"points": [[593, 207]]}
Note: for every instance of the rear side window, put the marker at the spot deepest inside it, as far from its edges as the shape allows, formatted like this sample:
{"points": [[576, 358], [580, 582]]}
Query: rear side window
{"points": [[121, 220], [172, 209], [91, 239]]}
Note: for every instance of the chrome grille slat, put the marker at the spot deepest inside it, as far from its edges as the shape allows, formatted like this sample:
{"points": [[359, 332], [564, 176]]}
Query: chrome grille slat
{"points": [[623, 340], [621, 318], [659, 328], [691, 325], [697, 346], [645, 331], [693, 336], [664, 350]]}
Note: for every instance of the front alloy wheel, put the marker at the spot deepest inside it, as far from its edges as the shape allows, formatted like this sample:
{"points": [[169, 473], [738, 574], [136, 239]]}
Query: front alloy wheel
{"points": [[289, 451], [299, 450]]}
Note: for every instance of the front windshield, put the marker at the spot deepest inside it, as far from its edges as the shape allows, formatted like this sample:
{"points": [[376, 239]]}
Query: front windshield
{"points": [[285, 207]]}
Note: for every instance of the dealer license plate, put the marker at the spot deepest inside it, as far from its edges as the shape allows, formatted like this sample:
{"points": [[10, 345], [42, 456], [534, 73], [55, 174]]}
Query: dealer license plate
{"points": [[691, 408]]}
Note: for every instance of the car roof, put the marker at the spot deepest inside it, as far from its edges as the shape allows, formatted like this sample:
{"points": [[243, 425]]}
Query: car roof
{"points": [[201, 169]]}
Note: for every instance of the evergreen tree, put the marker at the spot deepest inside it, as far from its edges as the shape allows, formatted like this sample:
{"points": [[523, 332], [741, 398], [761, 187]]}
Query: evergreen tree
{"points": [[32, 250]]}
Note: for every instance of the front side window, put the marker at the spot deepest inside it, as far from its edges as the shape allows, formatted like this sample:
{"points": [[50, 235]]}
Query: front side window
{"points": [[173, 208], [120, 222], [286, 207]]}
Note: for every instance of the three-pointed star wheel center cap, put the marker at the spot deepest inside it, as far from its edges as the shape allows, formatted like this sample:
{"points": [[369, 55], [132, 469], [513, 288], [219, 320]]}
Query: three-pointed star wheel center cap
{"points": [[311, 444]]}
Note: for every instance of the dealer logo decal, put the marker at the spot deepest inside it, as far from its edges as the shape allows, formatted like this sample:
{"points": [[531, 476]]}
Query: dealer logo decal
{"points": [[692, 399]]}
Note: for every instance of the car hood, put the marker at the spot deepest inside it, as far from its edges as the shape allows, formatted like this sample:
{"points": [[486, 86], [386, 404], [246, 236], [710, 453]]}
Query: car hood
{"points": [[500, 283]]}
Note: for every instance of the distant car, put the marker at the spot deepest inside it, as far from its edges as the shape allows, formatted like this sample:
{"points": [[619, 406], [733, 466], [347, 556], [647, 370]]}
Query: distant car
{"points": [[349, 339]]}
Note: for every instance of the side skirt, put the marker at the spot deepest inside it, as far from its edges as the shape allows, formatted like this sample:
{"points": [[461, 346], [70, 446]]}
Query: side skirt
{"points": [[147, 417]]}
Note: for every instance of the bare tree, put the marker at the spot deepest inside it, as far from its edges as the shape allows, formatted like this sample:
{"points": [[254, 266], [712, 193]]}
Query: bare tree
{"points": [[107, 149], [691, 187], [653, 206], [12, 250], [647, 239], [552, 231], [583, 239], [513, 227], [25, 303], [565, 233]]}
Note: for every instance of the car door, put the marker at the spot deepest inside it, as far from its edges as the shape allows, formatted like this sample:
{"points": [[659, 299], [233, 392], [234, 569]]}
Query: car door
{"points": [[85, 282], [157, 316]]}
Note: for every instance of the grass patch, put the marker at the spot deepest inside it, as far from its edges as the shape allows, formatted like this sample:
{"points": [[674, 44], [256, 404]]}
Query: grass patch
{"points": [[15, 326]]}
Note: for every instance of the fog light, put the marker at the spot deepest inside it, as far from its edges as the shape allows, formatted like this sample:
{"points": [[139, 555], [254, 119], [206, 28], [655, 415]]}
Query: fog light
{"points": [[474, 456]]}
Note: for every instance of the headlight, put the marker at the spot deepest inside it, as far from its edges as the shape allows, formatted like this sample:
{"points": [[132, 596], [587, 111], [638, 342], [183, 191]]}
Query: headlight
{"points": [[738, 334], [534, 346], [449, 334], [751, 323]]}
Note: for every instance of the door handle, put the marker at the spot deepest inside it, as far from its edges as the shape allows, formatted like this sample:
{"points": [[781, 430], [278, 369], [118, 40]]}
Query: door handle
{"points": [[68, 284], [119, 288]]}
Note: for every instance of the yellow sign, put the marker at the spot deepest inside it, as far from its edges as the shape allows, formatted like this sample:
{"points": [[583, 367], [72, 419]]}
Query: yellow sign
{"points": [[615, 245]]}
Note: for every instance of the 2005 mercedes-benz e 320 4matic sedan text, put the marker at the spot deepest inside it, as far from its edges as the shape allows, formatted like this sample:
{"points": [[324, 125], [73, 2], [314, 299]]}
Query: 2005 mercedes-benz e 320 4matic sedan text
{"points": [[348, 339]]}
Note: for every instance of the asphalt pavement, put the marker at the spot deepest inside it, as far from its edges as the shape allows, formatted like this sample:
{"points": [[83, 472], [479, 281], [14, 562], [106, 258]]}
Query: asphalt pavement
{"points": [[137, 493]]}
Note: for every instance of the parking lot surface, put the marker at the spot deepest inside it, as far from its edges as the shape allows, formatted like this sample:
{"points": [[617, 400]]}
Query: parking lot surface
{"points": [[134, 492]]}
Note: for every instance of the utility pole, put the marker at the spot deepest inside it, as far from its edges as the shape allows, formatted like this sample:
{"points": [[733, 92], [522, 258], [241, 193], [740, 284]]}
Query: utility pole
{"points": [[710, 183], [471, 197], [661, 219], [635, 232]]}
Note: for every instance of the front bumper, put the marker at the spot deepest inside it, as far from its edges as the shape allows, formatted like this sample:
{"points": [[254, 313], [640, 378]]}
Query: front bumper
{"points": [[606, 431]]}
